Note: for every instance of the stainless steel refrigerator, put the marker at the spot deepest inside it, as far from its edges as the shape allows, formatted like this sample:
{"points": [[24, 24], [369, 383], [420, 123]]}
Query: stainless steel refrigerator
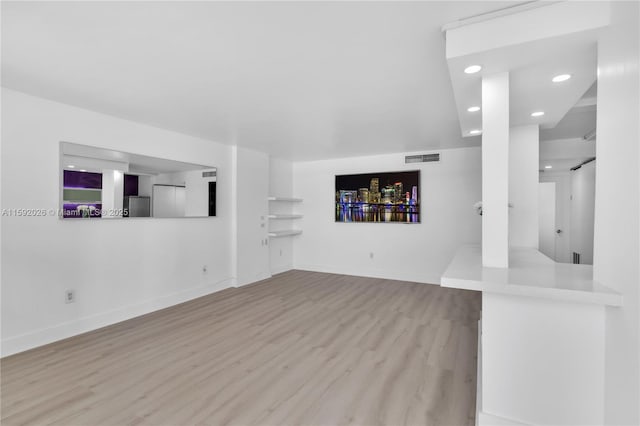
{"points": [[137, 206]]}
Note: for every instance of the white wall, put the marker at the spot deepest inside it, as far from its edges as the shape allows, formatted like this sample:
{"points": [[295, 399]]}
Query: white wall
{"points": [[197, 189], [617, 211], [281, 185], [144, 185], [197, 193], [118, 268], [2, 205], [547, 219], [542, 360], [583, 190], [413, 252], [524, 150], [563, 213]]}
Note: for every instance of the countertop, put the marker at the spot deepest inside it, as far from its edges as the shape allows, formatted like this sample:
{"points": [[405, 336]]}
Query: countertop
{"points": [[530, 274]]}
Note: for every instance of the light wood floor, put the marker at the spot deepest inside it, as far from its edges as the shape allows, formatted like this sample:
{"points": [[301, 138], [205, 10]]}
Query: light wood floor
{"points": [[301, 348]]}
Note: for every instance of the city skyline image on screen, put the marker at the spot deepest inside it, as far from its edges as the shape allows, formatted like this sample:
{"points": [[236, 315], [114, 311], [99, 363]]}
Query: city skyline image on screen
{"points": [[378, 197]]}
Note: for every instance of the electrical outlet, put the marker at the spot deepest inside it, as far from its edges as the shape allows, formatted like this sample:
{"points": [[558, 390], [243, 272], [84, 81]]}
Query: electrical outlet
{"points": [[69, 296], [204, 269], [371, 255], [280, 252]]}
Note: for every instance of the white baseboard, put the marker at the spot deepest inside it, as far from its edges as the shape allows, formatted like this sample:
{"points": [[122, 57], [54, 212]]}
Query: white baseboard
{"points": [[486, 419], [281, 269], [259, 277], [23, 342], [372, 273]]}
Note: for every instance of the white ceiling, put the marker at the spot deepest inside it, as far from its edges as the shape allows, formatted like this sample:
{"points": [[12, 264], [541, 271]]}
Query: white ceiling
{"points": [[94, 159], [544, 39], [300, 80], [563, 154], [530, 86], [565, 145], [579, 121]]}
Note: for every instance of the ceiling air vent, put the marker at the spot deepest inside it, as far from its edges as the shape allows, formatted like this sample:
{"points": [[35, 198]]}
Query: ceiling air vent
{"points": [[422, 158], [209, 174]]}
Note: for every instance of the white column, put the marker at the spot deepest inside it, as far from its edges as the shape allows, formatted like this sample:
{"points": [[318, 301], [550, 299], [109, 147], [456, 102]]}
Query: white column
{"points": [[524, 153], [495, 170], [112, 193]]}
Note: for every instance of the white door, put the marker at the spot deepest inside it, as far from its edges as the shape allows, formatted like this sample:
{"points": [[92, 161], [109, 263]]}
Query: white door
{"points": [[547, 218], [252, 185]]}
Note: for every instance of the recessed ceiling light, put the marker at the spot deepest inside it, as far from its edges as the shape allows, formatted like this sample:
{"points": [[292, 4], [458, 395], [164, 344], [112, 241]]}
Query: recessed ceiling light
{"points": [[537, 114], [475, 132], [71, 166], [472, 69], [561, 77], [473, 109], [547, 167]]}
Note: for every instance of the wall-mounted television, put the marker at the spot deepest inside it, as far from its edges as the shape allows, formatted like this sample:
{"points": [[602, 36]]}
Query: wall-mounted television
{"points": [[387, 197]]}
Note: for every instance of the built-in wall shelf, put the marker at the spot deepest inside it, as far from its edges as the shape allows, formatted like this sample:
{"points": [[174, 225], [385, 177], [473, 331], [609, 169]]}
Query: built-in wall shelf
{"points": [[284, 233], [284, 216], [287, 199], [283, 212]]}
